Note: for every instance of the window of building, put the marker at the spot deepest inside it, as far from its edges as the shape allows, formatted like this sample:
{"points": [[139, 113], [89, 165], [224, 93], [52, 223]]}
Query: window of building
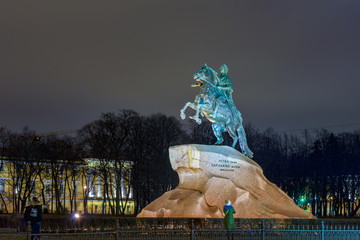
{"points": [[2, 185], [47, 187], [131, 192], [17, 186], [91, 190], [62, 189], [18, 168], [2, 167], [62, 170], [74, 187], [124, 190], [98, 186]]}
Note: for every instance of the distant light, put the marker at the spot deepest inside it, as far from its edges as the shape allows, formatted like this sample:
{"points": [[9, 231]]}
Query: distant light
{"points": [[76, 215]]}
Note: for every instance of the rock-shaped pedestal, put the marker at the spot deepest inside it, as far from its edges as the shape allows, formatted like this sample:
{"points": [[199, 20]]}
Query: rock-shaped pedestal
{"points": [[209, 175]]}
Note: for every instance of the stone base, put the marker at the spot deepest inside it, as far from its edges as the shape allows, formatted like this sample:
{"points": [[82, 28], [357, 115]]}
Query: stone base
{"points": [[209, 175]]}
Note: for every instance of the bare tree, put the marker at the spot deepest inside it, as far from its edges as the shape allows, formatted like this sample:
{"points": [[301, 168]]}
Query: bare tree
{"points": [[107, 139], [24, 167], [4, 142]]}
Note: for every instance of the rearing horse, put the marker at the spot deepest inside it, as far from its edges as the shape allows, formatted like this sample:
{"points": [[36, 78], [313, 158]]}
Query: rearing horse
{"points": [[225, 119]]}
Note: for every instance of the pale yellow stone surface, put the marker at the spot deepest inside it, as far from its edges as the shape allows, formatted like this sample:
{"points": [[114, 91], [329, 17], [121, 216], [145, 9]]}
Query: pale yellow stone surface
{"points": [[209, 175]]}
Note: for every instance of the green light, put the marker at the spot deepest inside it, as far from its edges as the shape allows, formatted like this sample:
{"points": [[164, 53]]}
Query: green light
{"points": [[302, 199]]}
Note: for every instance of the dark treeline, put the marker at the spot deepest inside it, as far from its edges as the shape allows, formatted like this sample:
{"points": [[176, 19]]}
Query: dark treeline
{"points": [[320, 166]]}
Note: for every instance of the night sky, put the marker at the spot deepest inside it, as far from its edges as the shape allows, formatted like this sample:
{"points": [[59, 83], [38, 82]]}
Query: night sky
{"points": [[293, 64]]}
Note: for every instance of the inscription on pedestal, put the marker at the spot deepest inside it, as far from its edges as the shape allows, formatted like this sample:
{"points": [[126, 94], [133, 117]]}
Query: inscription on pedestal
{"points": [[225, 165]]}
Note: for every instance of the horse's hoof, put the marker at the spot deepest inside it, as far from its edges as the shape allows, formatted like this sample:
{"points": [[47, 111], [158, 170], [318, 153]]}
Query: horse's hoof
{"points": [[219, 142], [249, 155], [182, 115]]}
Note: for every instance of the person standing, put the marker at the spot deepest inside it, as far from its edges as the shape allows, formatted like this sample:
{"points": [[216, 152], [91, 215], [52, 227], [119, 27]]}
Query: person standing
{"points": [[33, 214], [229, 221]]}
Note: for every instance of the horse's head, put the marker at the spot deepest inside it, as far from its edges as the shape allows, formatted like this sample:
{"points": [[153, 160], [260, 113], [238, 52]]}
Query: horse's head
{"points": [[206, 74]]}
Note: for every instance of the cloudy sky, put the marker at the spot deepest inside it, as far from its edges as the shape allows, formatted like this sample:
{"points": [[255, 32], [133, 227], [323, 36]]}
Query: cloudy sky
{"points": [[293, 64]]}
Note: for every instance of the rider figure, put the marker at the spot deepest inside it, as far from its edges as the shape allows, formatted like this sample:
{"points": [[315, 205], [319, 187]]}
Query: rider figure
{"points": [[225, 93]]}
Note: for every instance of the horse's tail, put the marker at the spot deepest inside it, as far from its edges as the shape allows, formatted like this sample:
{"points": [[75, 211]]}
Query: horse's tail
{"points": [[243, 142]]}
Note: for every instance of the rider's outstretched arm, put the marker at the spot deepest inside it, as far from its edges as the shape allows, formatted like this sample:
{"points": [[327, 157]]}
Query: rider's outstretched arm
{"points": [[196, 85]]}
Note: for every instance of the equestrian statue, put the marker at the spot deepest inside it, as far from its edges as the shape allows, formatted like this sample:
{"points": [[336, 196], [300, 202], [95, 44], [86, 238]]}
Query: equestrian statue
{"points": [[215, 102]]}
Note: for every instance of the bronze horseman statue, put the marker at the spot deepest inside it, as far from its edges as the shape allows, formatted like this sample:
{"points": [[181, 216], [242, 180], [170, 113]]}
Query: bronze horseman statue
{"points": [[215, 102]]}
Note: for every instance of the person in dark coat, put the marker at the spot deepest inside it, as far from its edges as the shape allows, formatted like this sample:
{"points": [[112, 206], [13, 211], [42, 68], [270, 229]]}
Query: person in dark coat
{"points": [[33, 213]]}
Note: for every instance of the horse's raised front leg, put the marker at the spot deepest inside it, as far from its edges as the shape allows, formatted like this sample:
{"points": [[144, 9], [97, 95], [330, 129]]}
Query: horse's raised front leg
{"points": [[182, 111], [196, 116], [193, 106]]}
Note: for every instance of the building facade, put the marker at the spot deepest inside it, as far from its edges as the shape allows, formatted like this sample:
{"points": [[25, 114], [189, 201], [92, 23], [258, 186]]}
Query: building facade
{"points": [[94, 186]]}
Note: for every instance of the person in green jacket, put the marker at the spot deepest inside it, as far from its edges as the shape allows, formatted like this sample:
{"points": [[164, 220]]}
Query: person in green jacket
{"points": [[229, 221]]}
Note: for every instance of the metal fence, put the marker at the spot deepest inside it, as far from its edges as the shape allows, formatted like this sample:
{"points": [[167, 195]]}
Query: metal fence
{"points": [[58, 236], [99, 228], [196, 235], [265, 234], [279, 235]]}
